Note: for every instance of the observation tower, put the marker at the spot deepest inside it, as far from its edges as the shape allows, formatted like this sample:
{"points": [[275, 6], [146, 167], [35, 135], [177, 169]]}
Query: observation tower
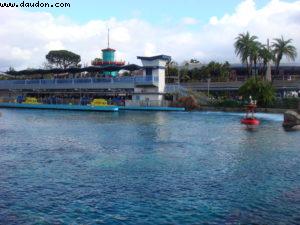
{"points": [[108, 59]]}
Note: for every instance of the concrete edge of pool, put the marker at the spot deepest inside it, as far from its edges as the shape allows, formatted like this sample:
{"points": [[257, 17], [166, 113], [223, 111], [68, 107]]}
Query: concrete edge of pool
{"points": [[88, 107]]}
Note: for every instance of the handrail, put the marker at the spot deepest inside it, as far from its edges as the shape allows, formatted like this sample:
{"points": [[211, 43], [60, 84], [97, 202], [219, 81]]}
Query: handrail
{"points": [[42, 82]]}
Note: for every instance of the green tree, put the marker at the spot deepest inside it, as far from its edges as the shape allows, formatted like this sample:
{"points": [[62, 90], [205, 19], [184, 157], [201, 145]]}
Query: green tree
{"points": [[184, 75], [260, 90], [282, 48], [63, 59], [11, 69], [245, 47], [194, 74], [255, 47], [194, 61], [96, 61], [217, 71], [265, 56], [172, 71]]}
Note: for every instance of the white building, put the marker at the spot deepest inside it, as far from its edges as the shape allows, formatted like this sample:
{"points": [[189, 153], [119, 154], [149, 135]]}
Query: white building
{"points": [[153, 89]]}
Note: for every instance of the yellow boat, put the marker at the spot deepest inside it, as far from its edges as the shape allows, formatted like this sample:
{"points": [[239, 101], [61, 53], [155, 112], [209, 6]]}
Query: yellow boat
{"points": [[99, 102], [30, 100]]}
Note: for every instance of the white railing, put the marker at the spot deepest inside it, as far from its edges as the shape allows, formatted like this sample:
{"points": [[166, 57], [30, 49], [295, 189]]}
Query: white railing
{"points": [[149, 103], [86, 82], [175, 88]]}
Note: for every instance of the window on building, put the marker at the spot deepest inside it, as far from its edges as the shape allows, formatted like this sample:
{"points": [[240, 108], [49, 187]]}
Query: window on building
{"points": [[148, 72]]}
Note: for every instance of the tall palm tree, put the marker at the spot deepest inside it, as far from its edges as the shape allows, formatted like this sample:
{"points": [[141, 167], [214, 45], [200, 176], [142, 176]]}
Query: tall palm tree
{"points": [[244, 48], [265, 56], [254, 54], [282, 48]]}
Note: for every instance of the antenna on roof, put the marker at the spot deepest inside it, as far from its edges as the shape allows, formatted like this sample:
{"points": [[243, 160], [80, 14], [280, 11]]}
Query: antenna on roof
{"points": [[108, 38]]}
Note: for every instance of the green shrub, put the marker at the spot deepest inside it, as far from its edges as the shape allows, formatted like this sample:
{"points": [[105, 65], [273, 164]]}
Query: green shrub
{"points": [[286, 103], [260, 90], [230, 103]]}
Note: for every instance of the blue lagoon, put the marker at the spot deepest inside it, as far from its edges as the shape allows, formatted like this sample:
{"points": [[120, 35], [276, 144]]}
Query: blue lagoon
{"points": [[64, 167]]}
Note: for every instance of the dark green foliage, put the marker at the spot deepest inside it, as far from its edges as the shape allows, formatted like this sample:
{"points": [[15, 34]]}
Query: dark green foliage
{"points": [[282, 48], [63, 59], [184, 75], [126, 74], [217, 72], [230, 103], [286, 103], [194, 61], [256, 56], [260, 90], [246, 47]]}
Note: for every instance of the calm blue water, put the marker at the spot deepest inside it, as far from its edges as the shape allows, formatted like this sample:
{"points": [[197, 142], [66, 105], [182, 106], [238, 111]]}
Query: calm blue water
{"points": [[59, 167]]}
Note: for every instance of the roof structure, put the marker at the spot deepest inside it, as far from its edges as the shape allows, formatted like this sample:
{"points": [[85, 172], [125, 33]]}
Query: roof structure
{"points": [[5, 74], [108, 49], [160, 57], [106, 68]]}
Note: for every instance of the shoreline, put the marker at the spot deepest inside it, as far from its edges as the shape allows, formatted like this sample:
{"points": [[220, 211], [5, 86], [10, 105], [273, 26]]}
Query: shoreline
{"points": [[140, 108], [229, 109], [108, 108]]}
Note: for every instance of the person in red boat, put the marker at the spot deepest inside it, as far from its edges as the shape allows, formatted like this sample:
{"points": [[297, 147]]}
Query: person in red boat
{"points": [[250, 119], [250, 108]]}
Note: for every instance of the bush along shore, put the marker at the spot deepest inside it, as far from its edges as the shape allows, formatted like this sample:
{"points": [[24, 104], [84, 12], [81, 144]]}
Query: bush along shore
{"points": [[277, 106], [200, 102]]}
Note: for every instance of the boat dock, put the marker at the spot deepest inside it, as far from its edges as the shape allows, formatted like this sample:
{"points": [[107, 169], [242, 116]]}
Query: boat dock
{"points": [[108, 108]]}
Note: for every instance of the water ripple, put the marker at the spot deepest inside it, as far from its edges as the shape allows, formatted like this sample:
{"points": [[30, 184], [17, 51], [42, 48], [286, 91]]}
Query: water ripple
{"points": [[146, 168]]}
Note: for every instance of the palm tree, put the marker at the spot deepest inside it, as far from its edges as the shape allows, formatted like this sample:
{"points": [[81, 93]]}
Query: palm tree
{"points": [[282, 48], [254, 54], [244, 49], [265, 56]]}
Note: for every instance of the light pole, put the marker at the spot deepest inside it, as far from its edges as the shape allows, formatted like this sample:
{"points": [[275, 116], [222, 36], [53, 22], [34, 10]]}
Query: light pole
{"points": [[208, 85], [178, 77], [269, 70]]}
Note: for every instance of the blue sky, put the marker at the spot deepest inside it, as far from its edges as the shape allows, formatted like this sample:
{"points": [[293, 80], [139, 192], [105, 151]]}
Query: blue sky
{"points": [[183, 29], [153, 11]]}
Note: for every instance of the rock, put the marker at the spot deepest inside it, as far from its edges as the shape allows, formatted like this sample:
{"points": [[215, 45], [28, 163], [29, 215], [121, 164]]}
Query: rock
{"points": [[291, 119]]}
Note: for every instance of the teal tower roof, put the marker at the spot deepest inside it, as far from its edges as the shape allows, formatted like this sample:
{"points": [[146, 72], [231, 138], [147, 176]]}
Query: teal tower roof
{"points": [[108, 55], [108, 58]]}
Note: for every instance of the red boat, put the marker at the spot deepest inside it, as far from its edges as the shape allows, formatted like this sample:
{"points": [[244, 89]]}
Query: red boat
{"points": [[250, 121]]}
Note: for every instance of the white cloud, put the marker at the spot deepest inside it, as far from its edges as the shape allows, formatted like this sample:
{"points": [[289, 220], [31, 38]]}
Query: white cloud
{"points": [[149, 49], [213, 20], [189, 21], [54, 45], [19, 53], [26, 37]]}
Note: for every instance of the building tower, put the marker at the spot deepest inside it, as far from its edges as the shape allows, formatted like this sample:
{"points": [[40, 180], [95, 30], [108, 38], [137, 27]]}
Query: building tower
{"points": [[108, 58], [151, 86]]}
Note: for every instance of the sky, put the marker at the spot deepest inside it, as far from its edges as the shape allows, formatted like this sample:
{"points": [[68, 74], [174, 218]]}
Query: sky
{"points": [[183, 29]]}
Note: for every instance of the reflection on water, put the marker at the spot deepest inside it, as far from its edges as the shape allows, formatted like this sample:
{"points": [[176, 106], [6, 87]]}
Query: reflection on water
{"points": [[60, 167]]}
